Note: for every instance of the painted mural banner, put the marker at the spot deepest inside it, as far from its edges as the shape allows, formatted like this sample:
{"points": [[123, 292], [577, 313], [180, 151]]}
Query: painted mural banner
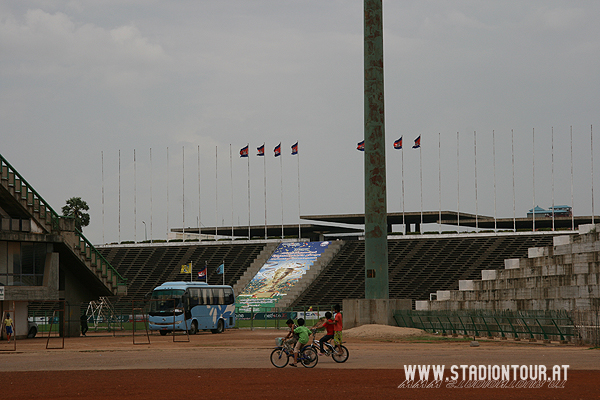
{"points": [[280, 273]]}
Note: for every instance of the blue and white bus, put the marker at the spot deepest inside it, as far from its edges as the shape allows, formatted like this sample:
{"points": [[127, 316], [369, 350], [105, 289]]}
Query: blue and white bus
{"points": [[205, 306]]}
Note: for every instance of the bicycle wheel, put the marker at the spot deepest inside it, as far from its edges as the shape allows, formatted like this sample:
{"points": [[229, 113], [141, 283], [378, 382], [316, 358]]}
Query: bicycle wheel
{"points": [[309, 357], [279, 358], [342, 356]]}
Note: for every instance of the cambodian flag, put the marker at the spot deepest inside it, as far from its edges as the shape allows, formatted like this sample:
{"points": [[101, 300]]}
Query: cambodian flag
{"points": [[398, 144], [261, 150], [202, 274], [277, 150], [244, 152], [417, 143], [295, 149], [361, 146]]}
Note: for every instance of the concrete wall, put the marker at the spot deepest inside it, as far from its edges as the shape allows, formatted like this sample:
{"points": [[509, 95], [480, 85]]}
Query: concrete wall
{"points": [[359, 312]]}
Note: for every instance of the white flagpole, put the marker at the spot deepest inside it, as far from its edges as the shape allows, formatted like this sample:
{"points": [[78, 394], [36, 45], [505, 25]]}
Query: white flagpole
{"points": [[476, 203], [216, 198], [402, 169], [134, 198], [265, 187], [231, 179], [533, 175], [167, 193], [440, 181], [248, 157], [494, 157], [119, 195], [102, 163], [572, 215], [552, 178], [223, 272], [199, 200], [421, 178], [191, 272], [299, 227], [206, 271], [150, 194], [281, 185], [512, 142], [457, 185], [592, 155], [183, 191]]}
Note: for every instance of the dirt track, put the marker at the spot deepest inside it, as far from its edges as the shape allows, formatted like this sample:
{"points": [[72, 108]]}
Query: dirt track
{"points": [[236, 365]]}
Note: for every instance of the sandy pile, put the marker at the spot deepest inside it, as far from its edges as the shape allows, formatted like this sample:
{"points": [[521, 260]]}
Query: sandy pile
{"points": [[385, 332]]}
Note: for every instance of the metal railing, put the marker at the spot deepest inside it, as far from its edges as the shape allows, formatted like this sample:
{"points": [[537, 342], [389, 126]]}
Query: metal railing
{"points": [[275, 317], [532, 325]]}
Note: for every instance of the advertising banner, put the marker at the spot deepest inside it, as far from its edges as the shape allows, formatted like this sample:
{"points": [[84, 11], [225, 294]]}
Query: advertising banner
{"points": [[280, 273]]}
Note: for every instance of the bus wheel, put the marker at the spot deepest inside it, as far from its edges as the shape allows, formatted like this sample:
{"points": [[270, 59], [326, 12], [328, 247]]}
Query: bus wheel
{"points": [[220, 327], [194, 328], [163, 333]]}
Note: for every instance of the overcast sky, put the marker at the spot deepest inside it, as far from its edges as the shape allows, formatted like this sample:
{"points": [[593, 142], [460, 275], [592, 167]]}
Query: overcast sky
{"points": [[82, 80]]}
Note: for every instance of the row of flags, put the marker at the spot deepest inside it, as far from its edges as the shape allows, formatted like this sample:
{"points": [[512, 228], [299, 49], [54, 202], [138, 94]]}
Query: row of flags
{"points": [[397, 144], [261, 150], [187, 269]]}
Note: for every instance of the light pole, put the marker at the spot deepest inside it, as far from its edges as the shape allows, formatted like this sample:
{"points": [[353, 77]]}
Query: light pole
{"points": [[145, 232]]}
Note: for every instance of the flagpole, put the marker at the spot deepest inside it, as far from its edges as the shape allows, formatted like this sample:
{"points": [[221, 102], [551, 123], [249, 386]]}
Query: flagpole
{"points": [[592, 155], [533, 176], [183, 191], [134, 198], [206, 271], [281, 186], [223, 272], [102, 164], [402, 169], [191, 272], [552, 178], [216, 194], [572, 215], [440, 181], [512, 143], [494, 150], [199, 200], [476, 203], [421, 175], [231, 179], [119, 196], [299, 221], [265, 187], [150, 194], [248, 157], [457, 186], [167, 193]]}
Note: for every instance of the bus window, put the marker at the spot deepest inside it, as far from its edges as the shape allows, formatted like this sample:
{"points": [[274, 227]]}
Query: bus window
{"points": [[207, 296], [228, 296], [194, 297]]}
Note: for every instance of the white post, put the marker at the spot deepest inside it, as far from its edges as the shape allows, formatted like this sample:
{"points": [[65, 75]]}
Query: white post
{"points": [[533, 175], [552, 178], [199, 200], [494, 157], [265, 188], [150, 194], [119, 196], [440, 181], [592, 154], [476, 203], [402, 167], [183, 192], [421, 178], [216, 198], [457, 185], [134, 198], [572, 205], [167, 193], [231, 179], [512, 142], [281, 186], [248, 169], [102, 164]]}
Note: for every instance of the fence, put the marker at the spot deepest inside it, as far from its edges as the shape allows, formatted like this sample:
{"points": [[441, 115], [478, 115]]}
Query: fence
{"points": [[532, 325], [275, 317]]}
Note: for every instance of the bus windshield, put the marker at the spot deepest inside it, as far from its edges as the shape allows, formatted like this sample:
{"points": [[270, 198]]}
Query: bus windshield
{"points": [[164, 301]]}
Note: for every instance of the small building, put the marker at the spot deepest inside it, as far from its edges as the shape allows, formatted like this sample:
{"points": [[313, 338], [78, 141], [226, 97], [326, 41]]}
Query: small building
{"points": [[44, 258]]}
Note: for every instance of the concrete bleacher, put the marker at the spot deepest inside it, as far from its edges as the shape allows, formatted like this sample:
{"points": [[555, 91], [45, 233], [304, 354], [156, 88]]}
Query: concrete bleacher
{"points": [[419, 264], [148, 265]]}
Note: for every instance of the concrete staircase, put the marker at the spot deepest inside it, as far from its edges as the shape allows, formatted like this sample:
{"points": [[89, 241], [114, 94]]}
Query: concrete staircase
{"points": [[311, 274], [565, 276], [44, 220], [253, 269]]}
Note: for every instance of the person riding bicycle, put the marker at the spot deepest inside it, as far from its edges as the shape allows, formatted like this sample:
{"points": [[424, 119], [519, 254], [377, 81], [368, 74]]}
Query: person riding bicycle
{"points": [[303, 336], [327, 323], [291, 337], [337, 328]]}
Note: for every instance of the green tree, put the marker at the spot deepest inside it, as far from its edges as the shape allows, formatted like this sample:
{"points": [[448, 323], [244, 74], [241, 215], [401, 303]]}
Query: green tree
{"points": [[76, 208]]}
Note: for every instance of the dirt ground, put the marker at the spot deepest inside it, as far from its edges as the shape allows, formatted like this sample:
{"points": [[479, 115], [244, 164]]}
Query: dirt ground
{"points": [[235, 365]]}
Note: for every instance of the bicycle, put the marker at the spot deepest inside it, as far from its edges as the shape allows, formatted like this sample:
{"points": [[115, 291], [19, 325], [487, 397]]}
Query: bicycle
{"points": [[280, 356], [330, 350]]}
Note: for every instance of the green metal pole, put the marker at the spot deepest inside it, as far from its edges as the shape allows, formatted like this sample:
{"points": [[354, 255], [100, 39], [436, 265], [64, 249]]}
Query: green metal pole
{"points": [[376, 255]]}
